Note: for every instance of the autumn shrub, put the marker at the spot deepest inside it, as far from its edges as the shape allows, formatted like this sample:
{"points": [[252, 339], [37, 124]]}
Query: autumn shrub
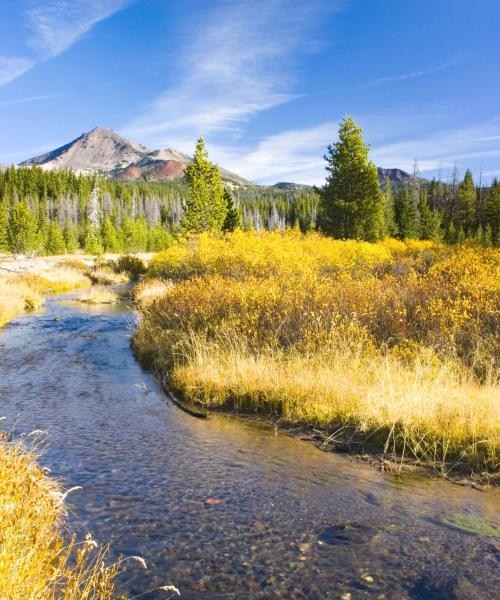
{"points": [[265, 311], [128, 263]]}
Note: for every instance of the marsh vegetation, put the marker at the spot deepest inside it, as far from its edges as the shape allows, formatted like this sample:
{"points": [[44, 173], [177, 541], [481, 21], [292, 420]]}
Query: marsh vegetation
{"points": [[393, 344]]}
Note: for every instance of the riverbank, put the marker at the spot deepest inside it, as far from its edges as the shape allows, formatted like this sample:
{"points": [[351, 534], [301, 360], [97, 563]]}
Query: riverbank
{"points": [[223, 504], [26, 281], [24, 284], [388, 348]]}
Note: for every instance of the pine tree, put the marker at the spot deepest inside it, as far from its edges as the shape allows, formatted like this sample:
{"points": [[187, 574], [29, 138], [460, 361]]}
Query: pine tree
{"points": [[487, 238], [93, 242], [430, 220], [4, 220], [391, 228], [406, 214], [450, 236], [70, 238], [467, 205], [134, 235], [55, 243], [109, 236], [21, 229], [351, 202], [159, 239], [493, 212], [43, 224], [233, 216], [205, 204]]}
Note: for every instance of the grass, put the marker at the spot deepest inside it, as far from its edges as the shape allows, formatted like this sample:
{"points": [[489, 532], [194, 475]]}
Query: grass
{"points": [[394, 344], [35, 559], [98, 295], [24, 291]]}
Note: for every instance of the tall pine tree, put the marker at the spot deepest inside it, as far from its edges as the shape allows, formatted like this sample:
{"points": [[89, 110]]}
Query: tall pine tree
{"points": [[351, 203], [206, 207], [4, 220], [233, 216], [467, 205], [21, 229]]}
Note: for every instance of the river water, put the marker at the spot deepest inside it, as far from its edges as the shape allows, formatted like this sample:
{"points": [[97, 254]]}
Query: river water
{"points": [[290, 521]]}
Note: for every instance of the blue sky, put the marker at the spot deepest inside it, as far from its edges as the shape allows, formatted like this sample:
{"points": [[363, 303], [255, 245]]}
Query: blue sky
{"points": [[265, 81]]}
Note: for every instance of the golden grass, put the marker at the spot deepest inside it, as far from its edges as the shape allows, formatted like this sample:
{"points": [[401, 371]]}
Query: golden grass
{"points": [[24, 291], [98, 295], [145, 292], [105, 275], [399, 340], [428, 410], [35, 560]]}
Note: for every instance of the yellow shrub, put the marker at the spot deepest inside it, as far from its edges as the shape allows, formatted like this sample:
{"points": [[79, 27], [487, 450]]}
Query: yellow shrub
{"points": [[344, 309]]}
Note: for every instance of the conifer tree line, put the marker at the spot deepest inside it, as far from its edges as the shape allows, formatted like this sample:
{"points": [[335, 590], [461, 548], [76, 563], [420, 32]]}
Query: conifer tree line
{"points": [[56, 212], [353, 205]]}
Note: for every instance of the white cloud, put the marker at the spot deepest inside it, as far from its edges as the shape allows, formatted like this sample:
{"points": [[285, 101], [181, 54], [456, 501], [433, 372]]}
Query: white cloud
{"points": [[442, 148], [12, 67], [294, 155], [235, 63], [17, 101], [297, 155], [413, 74], [56, 25]]}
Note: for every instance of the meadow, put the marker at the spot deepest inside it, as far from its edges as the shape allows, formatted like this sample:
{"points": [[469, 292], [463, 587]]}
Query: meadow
{"points": [[391, 346]]}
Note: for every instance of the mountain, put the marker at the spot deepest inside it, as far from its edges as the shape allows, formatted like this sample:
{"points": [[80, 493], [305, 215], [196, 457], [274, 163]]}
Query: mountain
{"points": [[397, 177], [107, 152], [289, 186]]}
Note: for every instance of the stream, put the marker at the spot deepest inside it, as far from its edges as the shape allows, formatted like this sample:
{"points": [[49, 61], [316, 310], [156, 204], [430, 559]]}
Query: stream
{"points": [[284, 520]]}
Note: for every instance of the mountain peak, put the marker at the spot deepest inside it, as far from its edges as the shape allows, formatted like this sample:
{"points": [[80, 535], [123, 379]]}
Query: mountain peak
{"points": [[96, 150], [106, 151]]}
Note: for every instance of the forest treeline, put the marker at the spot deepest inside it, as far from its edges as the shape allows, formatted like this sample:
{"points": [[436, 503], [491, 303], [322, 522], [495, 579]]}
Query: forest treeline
{"points": [[57, 212], [52, 212]]}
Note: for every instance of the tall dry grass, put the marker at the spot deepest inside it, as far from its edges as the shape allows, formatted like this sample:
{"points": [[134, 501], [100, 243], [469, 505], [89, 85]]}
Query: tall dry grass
{"points": [[35, 559], [398, 340], [24, 291]]}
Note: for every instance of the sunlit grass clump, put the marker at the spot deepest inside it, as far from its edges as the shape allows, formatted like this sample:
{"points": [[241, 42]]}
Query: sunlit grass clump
{"points": [[395, 342], [24, 291], [35, 559]]}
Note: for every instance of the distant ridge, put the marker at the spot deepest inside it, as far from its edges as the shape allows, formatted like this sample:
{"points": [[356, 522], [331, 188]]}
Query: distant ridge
{"points": [[397, 177], [105, 151]]}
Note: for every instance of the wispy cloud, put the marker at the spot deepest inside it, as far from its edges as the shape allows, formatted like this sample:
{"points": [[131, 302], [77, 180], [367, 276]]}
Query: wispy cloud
{"points": [[237, 61], [57, 24], [414, 74], [294, 155], [441, 149], [12, 67], [297, 155], [54, 26], [17, 101]]}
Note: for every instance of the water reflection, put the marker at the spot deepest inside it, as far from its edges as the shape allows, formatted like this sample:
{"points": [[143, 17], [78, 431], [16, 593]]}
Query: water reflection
{"points": [[290, 521]]}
